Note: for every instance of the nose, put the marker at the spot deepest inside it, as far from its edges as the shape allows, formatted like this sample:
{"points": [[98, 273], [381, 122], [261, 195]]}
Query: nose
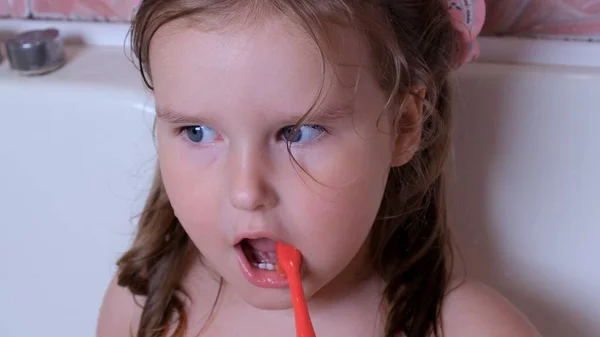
{"points": [[250, 188]]}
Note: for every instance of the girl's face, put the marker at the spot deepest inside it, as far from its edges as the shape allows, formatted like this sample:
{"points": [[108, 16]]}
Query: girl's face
{"points": [[226, 103]]}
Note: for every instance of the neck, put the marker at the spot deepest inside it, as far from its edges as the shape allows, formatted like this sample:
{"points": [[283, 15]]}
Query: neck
{"points": [[357, 282], [353, 299]]}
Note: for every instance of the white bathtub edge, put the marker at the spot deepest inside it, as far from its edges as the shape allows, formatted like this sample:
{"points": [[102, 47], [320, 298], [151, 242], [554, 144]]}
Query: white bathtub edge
{"points": [[493, 49], [538, 51]]}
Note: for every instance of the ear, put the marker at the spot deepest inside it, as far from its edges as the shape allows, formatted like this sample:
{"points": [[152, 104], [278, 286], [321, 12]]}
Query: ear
{"points": [[408, 127]]}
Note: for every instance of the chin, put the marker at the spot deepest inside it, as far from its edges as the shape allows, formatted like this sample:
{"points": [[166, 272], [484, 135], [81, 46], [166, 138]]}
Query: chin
{"points": [[267, 299]]}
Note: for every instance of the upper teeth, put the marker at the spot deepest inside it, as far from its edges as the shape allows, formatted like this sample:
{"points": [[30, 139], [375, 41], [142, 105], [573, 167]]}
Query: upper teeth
{"points": [[265, 266]]}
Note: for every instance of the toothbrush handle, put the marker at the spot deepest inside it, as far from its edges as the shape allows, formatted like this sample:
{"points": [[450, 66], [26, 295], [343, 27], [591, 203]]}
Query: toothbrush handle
{"points": [[304, 326]]}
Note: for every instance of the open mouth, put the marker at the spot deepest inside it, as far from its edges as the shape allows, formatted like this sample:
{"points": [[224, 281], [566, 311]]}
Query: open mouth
{"points": [[258, 262], [260, 254]]}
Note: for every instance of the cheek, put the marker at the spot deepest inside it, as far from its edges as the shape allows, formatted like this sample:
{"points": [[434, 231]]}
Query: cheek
{"points": [[335, 227], [338, 211], [187, 181]]}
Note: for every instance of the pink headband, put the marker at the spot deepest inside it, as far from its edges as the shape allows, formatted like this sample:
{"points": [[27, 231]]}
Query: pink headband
{"points": [[468, 17]]}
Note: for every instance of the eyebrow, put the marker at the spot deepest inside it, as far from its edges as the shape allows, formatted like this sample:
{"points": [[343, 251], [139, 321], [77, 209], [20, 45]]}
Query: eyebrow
{"points": [[330, 112], [169, 115], [324, 113]]}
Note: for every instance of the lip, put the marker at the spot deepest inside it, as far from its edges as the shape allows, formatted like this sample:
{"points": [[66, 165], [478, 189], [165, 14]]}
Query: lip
{"points": [[255, 235], [258, 277]]}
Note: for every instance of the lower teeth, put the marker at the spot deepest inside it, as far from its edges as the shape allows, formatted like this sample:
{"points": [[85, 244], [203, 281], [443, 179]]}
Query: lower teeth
{"points": [[264, 266]]}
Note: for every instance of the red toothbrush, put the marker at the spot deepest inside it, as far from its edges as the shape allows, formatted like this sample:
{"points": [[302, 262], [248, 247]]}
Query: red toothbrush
{"points": [[289, 259]]}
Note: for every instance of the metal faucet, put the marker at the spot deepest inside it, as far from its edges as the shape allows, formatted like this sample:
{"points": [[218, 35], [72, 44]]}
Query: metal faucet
{"points": [[36, 52]]}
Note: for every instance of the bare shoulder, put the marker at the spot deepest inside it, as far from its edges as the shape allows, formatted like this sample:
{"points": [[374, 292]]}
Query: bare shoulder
{"points": [[119, 313], [472, 309]]}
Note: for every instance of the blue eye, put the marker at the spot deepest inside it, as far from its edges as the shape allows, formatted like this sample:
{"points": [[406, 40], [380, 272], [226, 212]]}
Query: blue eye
{"points": [[201, 134], [303, 134]]}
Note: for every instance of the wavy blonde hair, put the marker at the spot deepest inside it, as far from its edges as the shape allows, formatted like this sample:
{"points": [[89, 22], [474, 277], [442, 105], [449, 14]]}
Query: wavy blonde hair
{"points": [[412, 41]]}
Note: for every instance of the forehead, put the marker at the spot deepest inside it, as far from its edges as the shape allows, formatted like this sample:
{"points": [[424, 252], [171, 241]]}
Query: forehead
{"points": [[275, 61]]}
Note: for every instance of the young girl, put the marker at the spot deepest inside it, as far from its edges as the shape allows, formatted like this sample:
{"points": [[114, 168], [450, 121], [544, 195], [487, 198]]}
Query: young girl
{"points": [[324, 124]]}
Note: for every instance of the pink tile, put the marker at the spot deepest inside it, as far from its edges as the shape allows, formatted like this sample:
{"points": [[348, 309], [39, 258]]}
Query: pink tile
{"points": [[543, 17], [4, 10], [15, 8], [84, 9]]}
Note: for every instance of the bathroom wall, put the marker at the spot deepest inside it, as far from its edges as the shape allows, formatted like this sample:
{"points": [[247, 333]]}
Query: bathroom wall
{"points": [[563, 19], [111, 10]]}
